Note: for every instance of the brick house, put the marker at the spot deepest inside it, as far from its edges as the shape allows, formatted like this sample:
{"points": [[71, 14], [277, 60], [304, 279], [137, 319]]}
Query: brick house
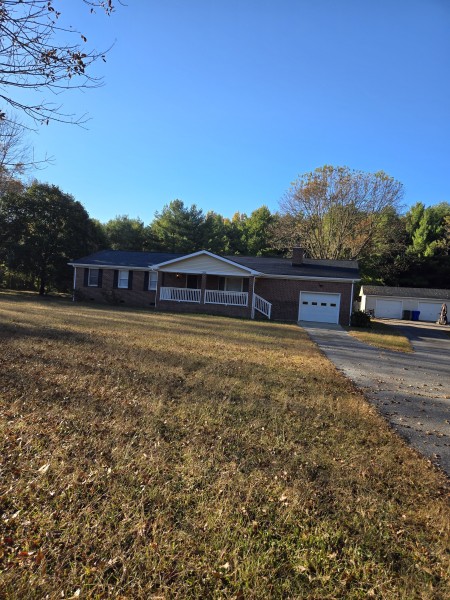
{"points": [[297, 289]]}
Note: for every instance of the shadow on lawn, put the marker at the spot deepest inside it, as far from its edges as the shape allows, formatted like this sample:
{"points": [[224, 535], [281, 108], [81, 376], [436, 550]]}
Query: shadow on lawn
{"points": [[9, 331]]}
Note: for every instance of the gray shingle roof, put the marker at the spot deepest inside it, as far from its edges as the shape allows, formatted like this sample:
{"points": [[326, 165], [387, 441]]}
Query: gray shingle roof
{"points": [[340, 269], [122, 258], [405, 292], [346, 269]]}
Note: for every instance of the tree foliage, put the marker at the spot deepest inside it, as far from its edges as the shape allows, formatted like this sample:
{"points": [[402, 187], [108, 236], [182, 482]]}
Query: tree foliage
{"points": [[337, 210], [124, 233], [428, 229], [178, 228], [41, 230]]}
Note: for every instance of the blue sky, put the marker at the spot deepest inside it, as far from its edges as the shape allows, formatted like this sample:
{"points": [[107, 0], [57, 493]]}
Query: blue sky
{"points": [[223, 103]]}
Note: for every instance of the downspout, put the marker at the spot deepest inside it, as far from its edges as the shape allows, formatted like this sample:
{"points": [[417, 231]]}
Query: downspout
{"points": [[253, 299], [351, 304], [74, 283]]}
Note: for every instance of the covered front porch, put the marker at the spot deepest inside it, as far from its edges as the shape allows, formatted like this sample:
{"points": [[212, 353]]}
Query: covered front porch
{"points": [[213, 289], [222, 287]]}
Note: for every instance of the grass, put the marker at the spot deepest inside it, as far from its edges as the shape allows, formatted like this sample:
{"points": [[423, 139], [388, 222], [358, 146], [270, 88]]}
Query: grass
{"points": [[150, 455], [382, 335]]}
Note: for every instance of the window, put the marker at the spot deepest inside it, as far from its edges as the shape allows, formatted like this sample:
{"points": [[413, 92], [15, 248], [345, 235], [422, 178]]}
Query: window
{"points": [[192, 282], [233, 284], [152, 280], [323, 304], [314, 303], [122, 281], [93, 278]]}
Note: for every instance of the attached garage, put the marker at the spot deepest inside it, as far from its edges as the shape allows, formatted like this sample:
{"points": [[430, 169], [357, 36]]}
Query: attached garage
{"points": [[389, 309], [429, 311], [319, 307]]}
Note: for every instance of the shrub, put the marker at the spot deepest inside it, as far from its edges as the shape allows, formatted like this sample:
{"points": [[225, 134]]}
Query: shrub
{"points": [[360, 319]]}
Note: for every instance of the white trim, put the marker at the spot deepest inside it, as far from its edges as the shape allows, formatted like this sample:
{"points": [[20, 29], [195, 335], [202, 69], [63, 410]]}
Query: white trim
{"points": [[309, 278], [74, 284], [253, 299], [258, 274], [405, 298], [149, 289], [123, 287], [207, 253], [351, 304], [89, 284], [114, 267]]}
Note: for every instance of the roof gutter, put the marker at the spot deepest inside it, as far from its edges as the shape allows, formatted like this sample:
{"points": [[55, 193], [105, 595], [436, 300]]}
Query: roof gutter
{"points": [[123, 267], [310, 278]]}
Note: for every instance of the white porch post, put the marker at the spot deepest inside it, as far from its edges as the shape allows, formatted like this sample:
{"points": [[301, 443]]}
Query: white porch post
{"points": [[202, 295], [251, 295]]}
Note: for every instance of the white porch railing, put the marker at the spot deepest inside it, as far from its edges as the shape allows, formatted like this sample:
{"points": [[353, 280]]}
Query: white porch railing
{"points": [[228, 298], [261, 305], [180, 294]]}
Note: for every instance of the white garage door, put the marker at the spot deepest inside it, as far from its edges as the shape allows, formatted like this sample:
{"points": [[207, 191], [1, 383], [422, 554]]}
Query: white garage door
{"points": [[389, 309], [323, 308], [429, 311]]}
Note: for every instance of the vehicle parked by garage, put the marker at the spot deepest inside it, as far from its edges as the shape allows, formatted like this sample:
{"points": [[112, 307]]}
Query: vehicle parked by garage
{"points": [[385, 302]]}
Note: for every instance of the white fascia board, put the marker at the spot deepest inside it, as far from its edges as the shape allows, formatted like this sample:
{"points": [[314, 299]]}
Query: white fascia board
{"points": [[308, 278], [119, 267], [207, 253], [405, 298]]}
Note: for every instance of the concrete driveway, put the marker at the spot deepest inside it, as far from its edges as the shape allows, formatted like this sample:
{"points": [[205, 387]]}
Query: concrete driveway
{"points": [[411, 390]]}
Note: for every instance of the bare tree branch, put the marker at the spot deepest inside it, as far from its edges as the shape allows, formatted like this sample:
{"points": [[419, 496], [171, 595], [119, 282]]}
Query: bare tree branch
{"points": [[38, 53]]}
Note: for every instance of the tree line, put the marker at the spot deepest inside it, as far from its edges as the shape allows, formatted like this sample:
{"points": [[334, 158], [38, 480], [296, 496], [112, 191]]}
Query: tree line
{"points": [[333, 212]]}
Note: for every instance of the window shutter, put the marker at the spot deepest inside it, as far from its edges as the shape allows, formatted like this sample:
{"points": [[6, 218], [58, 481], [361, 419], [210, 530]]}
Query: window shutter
{"points": [[130, 280], [116, 279], [100, 277], [86, 277], [146, 275]]}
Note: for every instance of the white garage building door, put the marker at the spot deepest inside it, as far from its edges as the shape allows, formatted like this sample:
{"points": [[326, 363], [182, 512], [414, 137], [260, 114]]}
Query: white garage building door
{"points": [[429, 311], [389, 309], [323, 308]]}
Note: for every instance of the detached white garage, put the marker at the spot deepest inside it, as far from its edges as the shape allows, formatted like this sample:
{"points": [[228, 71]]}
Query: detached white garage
{"points": [[389, 309], [319, 307], [429, 311], [387, 302]]}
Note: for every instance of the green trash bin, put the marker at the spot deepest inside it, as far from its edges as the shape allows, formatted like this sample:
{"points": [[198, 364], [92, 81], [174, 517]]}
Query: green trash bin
{"points": [[407, 315]]}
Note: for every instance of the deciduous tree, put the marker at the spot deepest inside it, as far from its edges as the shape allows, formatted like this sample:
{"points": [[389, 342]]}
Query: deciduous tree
{"points": [[41, 230], [124, 233], [336, 210], [39, 51]]}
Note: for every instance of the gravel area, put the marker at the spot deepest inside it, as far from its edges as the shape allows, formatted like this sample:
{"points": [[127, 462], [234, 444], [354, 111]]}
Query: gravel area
{"points": [[412, 391]]}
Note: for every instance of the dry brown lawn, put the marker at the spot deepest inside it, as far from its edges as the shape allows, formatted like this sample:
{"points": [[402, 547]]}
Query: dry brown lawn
{"points": [[382, 335], [150, 455]]}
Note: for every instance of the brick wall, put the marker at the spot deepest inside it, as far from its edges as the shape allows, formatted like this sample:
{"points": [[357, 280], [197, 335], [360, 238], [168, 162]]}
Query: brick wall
{"points": [[210, 309], [107, 294], [284, 295]]}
